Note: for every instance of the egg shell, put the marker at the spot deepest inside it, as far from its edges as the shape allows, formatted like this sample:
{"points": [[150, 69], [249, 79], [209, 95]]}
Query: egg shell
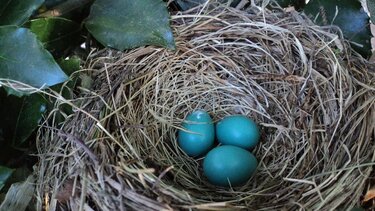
{"points": [[198, 135], [238, 130], [229, 165]]}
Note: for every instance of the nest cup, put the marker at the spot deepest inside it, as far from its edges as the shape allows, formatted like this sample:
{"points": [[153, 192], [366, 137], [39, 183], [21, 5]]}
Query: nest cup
{"points": [[311, 96]]}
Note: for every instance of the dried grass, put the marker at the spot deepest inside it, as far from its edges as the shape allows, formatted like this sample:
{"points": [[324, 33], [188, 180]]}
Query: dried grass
{"points": [[313, 98]]}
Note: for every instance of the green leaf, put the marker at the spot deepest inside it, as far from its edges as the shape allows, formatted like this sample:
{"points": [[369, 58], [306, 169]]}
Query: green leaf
{"points": [[126, 24], [19, 174], [69, 66], [5, 173], [52, 3], [17, 12], [75, 10], [371, 8], [351, 18], [16, 93], [56, 34], [23, 58], [20, 116]]}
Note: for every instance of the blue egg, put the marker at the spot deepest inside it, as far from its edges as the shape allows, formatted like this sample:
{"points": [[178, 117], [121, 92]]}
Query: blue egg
{"points": [[238, 131], [198, 135], [229, 166]]}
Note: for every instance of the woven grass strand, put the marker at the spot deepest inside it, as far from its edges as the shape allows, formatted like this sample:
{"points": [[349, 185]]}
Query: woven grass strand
{"points": [[313, 98]]}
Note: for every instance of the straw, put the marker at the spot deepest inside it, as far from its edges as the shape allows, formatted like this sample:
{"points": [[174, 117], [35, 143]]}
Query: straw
{"points": [[313, 98]]}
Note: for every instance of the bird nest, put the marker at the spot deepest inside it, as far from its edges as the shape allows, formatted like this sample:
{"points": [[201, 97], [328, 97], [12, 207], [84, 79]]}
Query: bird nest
{"points": [[312, 97]]}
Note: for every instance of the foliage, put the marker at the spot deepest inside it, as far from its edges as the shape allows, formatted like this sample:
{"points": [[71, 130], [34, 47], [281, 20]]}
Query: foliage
{"points": [[52, 3], [5, 173], [349, 16], [34, 66], [17, 12], [41, 50], [20, 116], [56, 34], [128, 24], [29, 61]]}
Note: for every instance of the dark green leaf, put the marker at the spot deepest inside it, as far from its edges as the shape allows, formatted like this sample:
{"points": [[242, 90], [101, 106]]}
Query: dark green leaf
{"points": [[5, 173], [126, 24], [56, 34], [23, 58], [75, 10], [52, 3], [371, 8], [20, 116], [16, 93], [17, 12], [351, 18], [19, 174], [69, 66]]}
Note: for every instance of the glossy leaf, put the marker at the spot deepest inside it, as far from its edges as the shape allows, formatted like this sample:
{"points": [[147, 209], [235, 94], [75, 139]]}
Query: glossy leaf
{"points": [[20, 116], [23, 58], [5, 173], [351, 18], [126, 24], [75, 10], [56, 34], [17, 12], [52, 3]]}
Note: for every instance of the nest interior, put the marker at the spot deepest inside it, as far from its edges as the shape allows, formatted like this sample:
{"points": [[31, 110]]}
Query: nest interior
{"points": [[311, 96]]}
